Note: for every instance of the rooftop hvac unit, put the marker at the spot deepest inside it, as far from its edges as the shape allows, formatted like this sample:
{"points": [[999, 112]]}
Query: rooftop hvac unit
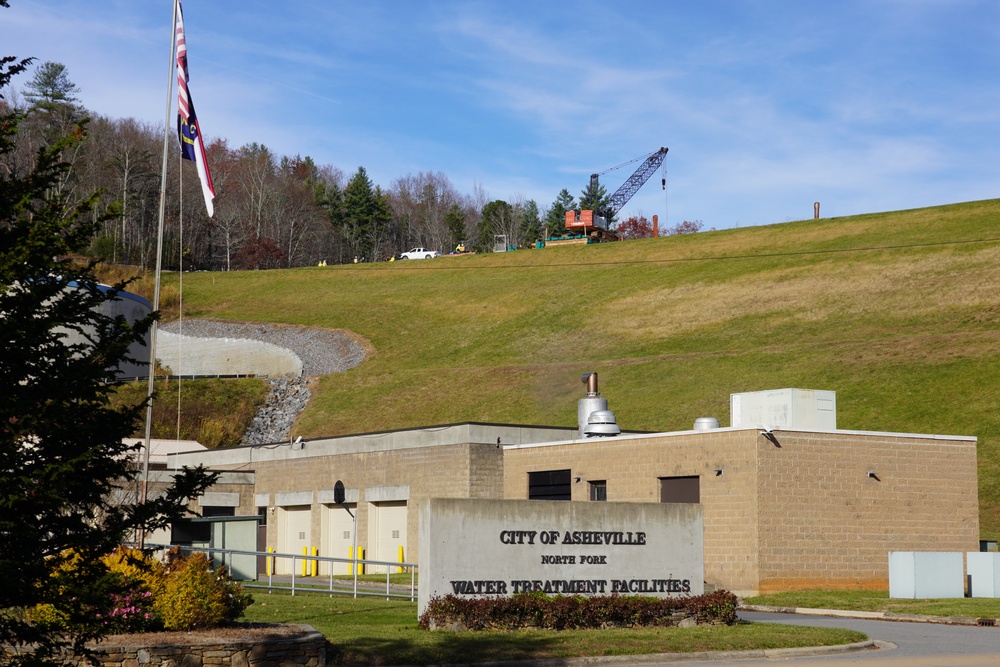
{"points": [[805, 409]]}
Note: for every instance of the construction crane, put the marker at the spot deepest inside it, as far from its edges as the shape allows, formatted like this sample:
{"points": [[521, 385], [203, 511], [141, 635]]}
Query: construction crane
{"points": [[594, 224]]}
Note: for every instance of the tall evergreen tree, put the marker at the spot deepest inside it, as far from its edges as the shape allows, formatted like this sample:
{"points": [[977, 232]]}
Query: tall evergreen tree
{"points": [[497, 219], [531, 224], [54, 107], [455, 219], [366, 217], [61, 440], [555, 220], [51, 88], [594, 196]]}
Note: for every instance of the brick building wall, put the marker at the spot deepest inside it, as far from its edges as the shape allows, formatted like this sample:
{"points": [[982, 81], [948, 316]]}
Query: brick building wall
{"points": [[632, 467], [801, 515], [824, 523]]}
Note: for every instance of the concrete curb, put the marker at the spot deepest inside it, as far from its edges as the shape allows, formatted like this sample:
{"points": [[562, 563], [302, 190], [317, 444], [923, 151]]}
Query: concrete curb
{"points": [[700, 656], [876, 615]]}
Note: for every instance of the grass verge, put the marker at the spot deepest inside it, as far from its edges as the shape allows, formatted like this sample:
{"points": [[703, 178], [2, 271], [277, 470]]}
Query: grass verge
{"points": [[380, 632], [215, 412], [880, 601]]}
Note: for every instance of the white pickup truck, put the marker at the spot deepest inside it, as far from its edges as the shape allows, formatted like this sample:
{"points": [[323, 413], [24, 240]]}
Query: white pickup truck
{"points": [[419, 253]]}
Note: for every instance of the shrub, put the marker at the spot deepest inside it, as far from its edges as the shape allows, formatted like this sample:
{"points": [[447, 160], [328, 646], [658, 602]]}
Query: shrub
{"points": [[571, 613], [131, 611], [90, 590], [197, 596], [137, 568], [132, 608]]}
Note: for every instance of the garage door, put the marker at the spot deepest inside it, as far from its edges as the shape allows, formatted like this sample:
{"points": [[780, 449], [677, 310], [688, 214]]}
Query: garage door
{"points": [[293, 535], [339, 537], [390, 532]]}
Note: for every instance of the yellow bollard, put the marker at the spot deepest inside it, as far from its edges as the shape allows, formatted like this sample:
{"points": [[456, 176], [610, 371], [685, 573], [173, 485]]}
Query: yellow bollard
{"points": [[401, 559], [350, 554], [269, 562], [315, 563], [305, 562], [361, 556]]}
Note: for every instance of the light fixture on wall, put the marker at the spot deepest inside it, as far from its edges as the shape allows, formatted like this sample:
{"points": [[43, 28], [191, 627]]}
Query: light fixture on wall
{"points": [[874, 475], [768, 434], [718, 472], [270, 510], [578, 479]]}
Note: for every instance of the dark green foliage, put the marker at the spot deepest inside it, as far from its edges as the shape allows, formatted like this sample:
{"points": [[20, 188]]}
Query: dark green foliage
{"points": [[594, 196], [61, 451], [533, 610], [51, 90], [455, 219], [531, 224], [496, 219], [364, 218], [555, 220]]}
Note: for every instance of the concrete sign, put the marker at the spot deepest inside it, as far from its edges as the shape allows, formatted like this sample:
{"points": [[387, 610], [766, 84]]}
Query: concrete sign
{"points": [[476, 548]]}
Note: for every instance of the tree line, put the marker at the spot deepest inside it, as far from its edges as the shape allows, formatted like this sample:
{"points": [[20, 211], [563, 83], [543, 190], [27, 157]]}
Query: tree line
{"points": [[271, 211]]}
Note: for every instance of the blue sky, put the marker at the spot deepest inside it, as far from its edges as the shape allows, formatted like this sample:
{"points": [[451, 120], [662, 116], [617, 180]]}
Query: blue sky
{"points": [[766, 106]]}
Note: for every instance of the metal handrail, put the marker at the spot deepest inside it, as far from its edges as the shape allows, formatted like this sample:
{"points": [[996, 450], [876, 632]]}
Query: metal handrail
{"points": [[227, 560]]}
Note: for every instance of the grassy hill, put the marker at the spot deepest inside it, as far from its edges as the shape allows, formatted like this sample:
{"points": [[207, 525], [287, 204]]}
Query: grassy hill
{"points": [[898, 312]]}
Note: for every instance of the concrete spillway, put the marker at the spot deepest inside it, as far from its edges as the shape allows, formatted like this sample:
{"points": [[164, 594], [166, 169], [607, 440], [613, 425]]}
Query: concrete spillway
{"points": [[189, 355]]}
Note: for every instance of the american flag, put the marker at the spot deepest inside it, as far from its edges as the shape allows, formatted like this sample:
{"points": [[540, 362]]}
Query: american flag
{"points": [[188, 129]]}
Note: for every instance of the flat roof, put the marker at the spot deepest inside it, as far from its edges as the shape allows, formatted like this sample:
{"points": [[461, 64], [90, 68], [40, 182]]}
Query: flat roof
{"points": [[505, 436], [732, 429]]}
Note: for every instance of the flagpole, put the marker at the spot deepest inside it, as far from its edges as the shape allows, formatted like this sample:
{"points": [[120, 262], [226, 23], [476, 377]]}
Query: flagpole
{"points": [[159, 269]]}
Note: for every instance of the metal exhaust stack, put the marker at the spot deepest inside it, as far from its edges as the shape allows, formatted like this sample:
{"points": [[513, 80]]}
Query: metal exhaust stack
{"points": [[593, 417]]}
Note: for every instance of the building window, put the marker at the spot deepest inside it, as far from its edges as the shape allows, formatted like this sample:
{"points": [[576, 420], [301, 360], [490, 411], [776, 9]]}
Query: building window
{"points": [[549, 485], [214, 510], [599, 490], [680, 489]]}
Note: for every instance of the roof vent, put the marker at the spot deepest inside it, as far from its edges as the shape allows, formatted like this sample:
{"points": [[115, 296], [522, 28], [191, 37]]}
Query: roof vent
{"points": [[593, 416], [601, 423], [705, 423]]}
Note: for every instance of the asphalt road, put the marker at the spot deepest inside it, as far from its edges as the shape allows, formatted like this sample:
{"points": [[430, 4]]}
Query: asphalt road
{"points": [[917, 644]]}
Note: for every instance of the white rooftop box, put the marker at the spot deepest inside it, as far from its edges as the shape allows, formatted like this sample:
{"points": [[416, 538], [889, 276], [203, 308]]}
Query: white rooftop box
{"points": [[807, 409]]}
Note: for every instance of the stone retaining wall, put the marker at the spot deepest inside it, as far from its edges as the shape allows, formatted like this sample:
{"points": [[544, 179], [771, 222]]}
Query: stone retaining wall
{"points": [[306, 648]]}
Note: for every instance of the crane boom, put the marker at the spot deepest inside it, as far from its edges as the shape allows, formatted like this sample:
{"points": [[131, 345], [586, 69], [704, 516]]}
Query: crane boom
{"points": [[632, 185]]}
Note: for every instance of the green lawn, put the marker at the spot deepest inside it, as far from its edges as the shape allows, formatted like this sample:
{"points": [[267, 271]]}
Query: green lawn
{"points": [[880, 601], [380, 632]]}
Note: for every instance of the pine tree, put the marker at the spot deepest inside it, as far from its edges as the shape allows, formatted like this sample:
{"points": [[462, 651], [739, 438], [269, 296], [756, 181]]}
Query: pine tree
{"points": [[594, 196], [455, 219], [61, 448], [555, 220]]}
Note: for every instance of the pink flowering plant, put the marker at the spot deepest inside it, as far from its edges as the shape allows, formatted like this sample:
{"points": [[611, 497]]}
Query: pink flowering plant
{"points": [[131, 611]]}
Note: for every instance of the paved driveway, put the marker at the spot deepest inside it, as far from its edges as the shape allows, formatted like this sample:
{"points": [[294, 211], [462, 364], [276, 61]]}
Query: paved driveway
{"points": [[917, 644]]}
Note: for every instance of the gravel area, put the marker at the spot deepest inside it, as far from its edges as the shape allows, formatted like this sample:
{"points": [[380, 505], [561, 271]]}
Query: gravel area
{"points": [[322, 351]]}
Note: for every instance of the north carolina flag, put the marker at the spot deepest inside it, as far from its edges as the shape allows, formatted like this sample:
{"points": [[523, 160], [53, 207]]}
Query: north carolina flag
{"points": [[188, 129]]}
